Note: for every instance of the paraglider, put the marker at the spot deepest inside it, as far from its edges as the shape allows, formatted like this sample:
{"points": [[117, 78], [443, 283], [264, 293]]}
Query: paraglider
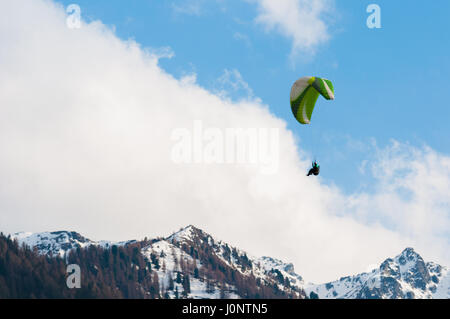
{"points": [[315, 170], [304, 94]]}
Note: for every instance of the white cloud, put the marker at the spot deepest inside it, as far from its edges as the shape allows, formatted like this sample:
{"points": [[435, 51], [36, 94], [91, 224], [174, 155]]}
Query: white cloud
{"points": [[189, 7], [302, 21], [232, 84], [85, 140], [161, 53], [411, 196], [243, 37]]}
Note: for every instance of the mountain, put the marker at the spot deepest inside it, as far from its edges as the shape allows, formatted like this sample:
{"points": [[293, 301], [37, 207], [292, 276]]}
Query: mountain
{"points": [[193, 264], [59, 243], [188, 264], [222, 270], [407, 276]]}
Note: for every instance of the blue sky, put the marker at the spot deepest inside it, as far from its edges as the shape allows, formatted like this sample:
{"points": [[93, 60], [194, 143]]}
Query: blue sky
{"points": [[391, 83]]}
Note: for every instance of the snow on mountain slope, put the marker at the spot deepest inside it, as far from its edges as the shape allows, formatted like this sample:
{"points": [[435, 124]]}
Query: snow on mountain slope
{"points": [[406, 276], [268, 269], [271, 265], [191, 251], [441, 277], [170, 262], [60, 242], [236, 258], [184, 253]]}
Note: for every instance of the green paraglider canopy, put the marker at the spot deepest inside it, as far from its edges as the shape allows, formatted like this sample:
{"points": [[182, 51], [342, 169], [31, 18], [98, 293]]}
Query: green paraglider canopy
{"points": [[304, 94]]}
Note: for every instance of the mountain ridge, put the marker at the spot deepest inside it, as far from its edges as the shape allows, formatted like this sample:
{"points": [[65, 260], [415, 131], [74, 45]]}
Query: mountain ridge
{"points": [[195, 253]]}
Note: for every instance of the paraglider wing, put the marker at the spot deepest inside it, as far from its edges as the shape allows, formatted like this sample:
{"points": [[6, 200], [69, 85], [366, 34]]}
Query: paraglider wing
{"points": [[304, 94]]}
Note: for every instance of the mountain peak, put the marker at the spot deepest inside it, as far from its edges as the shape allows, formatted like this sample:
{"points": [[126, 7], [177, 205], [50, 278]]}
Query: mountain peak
{"points": [[409, 253], [193, 244], [188, 227], [409, 258], [187, 233], [58, 243], [191, 234], [405, 276]]}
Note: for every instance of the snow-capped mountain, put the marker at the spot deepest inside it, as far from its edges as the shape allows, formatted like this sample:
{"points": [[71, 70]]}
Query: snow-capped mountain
{"points": [[214, 269], [58, 243], [194, 248], [193, 264], [260, 267], [407, 276]]}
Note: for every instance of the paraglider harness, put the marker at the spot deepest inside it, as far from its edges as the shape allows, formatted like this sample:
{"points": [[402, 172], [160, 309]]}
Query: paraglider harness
{"points": [[315, 170]]}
